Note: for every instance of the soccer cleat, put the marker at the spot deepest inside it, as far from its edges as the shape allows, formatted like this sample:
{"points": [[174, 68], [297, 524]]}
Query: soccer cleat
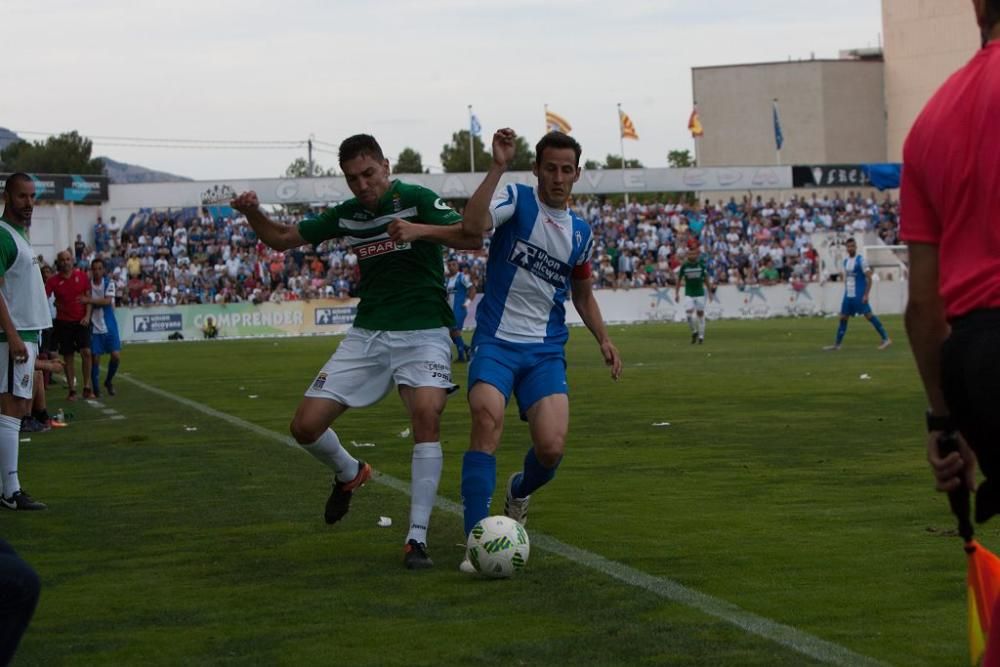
{"points": [[340, 499], [831, 348], [701, 339], [885, 343], [88, 394], [72, 395], [56, 423], [22, 501], [111, 388], [415, 556], [32, 425], [466, 566], [694, 338], [515, 508]]}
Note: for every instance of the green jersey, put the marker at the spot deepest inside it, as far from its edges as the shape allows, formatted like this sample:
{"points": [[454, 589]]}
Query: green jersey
{"points": [[402, 285], [20, 278], [695, 274]]}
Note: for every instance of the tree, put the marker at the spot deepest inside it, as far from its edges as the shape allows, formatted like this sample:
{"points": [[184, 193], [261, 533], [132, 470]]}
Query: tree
{"points": [[67, 153], [615, 162], [524, 157], [408, 162], [680, 159], [591, 164], [455, 156], [299, 168]]}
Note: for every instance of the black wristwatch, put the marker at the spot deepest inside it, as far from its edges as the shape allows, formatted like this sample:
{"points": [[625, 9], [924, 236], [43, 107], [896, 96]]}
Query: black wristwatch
{"points": [[939, 422]]}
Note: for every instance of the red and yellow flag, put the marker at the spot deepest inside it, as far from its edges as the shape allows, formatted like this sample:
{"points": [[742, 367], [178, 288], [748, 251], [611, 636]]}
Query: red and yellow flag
{"points": [[983, 583], [627, 128], [556, 123], [694, 123]]}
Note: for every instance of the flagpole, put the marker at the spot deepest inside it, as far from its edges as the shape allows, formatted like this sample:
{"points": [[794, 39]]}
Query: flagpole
{"points": [[472, 143], [621, 140]]}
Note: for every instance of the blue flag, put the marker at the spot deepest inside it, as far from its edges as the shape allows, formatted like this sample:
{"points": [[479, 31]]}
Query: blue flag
{"points": [[779, 138], [474, 125]]}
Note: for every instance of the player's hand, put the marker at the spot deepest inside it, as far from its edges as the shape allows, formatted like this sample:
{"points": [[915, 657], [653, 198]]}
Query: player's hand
{"points": [[503, 147], [864, 299], [612, 358], [18, 350], [954, 468], [85, 321], [246, 202], [402, 231], [51, 365]]}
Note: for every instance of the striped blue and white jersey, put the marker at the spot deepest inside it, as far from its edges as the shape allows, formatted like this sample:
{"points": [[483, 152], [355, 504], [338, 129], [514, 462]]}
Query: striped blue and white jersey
{"points": [[533, 256], [855, 276], [458, 289]]}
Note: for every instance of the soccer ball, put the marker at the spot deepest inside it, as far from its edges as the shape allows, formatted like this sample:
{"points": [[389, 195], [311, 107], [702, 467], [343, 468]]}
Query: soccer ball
{"points": [[498, 547]]}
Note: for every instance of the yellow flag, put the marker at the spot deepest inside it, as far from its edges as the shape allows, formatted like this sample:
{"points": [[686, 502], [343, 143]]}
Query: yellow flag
{"points": [[556, 123], [627, 128]]}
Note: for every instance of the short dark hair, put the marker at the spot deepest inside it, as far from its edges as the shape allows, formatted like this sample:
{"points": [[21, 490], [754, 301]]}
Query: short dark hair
{"points": [[850, 240], [992, 13], [97, 260], [557, 140], [16, 177], [358, 145]]}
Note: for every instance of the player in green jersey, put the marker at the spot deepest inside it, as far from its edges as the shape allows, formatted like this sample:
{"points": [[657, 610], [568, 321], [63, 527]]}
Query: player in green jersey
{"points": [[399, 335], [693, 274]]}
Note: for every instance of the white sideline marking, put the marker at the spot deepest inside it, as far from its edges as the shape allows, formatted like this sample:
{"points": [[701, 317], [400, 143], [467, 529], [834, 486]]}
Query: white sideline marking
{"points": [[754, 624]]}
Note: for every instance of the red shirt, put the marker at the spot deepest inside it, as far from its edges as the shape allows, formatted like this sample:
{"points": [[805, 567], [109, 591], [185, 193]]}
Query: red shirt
{"points": [[68, 292], [951, 184]]}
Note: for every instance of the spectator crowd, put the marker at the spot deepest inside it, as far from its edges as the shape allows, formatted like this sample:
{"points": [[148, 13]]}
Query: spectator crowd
{"points": [[173, 258]]}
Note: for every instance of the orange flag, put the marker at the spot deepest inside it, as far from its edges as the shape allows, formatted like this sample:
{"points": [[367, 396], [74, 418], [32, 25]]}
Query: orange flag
{"points": [[983, 582], [694, 123], [627, 128]]}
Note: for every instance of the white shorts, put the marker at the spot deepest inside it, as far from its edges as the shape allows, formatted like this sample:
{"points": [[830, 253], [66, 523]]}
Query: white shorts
{"points": [[17, 378], [694, 303], [367, 363]]}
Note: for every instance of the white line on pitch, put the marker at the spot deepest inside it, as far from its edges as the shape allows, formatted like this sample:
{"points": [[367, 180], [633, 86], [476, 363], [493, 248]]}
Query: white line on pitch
{"points": [[786, 635]]}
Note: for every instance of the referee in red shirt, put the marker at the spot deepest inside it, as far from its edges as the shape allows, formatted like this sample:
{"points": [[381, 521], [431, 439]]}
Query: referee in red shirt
{"points": [[950, 218], [71, 326]]}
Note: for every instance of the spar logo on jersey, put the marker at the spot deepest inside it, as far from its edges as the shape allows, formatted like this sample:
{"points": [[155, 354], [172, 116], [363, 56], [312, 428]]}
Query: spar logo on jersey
{"points": [[539, 263], [382, 247]]}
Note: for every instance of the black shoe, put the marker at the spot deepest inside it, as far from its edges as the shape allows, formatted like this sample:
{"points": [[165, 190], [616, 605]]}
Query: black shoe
{"points": [[111, 388], [32, 425], [694, 338], [340, 499], [22, 501], [700, 340], [415, 556]]}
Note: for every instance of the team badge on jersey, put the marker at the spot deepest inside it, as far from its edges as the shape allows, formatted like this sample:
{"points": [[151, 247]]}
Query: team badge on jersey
{"points": [[319, 381]]}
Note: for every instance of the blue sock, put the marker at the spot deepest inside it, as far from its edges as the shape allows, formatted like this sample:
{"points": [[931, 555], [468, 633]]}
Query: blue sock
{"points": [[479, 478], [841, 330], [878, 327], [533, 477], [95, 373], [112, 369]]}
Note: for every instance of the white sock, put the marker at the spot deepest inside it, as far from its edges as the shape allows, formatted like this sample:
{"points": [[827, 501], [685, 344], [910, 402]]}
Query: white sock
{"points": [[330, 452], [701, 326], [691, 323], [426, 473], [10, 435]]}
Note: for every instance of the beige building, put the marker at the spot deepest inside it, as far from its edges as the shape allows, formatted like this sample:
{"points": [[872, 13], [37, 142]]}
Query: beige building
{"points": [[848, 111], [831, 112], [925, 41]]}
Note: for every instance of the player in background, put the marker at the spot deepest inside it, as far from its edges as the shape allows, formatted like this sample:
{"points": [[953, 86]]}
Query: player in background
{"points": [[461, 291], [24, 314], [540, 253], [857, 287], [103, 327], [693, 275], [399, 335]]}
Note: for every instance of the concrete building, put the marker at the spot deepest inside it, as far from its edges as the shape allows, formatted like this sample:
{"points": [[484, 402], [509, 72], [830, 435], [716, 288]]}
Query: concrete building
{"points": [[831, 112], [925, 41]]}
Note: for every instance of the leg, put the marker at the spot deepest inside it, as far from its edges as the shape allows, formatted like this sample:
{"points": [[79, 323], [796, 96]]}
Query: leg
{"points": [[112, 369], [548, 420], [692, 324], [841, 330], [479, 466], [68, 359], [456, 338], [701, 326], [425, 405], [86, 361], [39, 407], [875, 322], [19, 591], [95, 372]]}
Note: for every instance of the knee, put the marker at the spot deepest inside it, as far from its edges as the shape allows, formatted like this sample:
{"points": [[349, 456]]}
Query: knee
{"points": [[550, 451], [304, 431]]}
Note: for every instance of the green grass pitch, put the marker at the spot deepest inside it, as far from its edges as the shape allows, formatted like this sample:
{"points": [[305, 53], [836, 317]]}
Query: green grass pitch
{"points": [[785, 486]]}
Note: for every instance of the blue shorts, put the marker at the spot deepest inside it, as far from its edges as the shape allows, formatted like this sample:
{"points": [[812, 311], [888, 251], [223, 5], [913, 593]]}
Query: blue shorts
{"points": [[460, 313], [854, 306], [105, 343], [531, 372]]}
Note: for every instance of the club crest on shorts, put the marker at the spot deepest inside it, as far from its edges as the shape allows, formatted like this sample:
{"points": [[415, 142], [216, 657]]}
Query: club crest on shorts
{"points": [[319, 381], [25, 379]]}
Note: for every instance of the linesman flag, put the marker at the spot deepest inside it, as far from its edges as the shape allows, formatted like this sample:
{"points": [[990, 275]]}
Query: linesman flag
{"points": [[627, 128], [556, 123], [694, 123]]}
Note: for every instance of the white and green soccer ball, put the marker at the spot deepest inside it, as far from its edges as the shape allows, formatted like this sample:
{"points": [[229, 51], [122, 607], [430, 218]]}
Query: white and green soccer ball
{"points": [[498, 547]]}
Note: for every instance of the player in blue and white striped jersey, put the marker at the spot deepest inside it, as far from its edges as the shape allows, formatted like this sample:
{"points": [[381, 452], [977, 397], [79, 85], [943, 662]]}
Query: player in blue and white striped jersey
{"points": [[540, 254], [857, 287], [461, 291]]}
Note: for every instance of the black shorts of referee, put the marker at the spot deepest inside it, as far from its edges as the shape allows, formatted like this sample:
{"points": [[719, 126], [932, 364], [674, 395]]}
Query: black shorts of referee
{"points": [[70, 336], [970, 381]]}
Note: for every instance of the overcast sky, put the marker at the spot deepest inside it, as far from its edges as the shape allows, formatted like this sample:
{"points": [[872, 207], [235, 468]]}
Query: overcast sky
{"points": [[403, 71]]}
